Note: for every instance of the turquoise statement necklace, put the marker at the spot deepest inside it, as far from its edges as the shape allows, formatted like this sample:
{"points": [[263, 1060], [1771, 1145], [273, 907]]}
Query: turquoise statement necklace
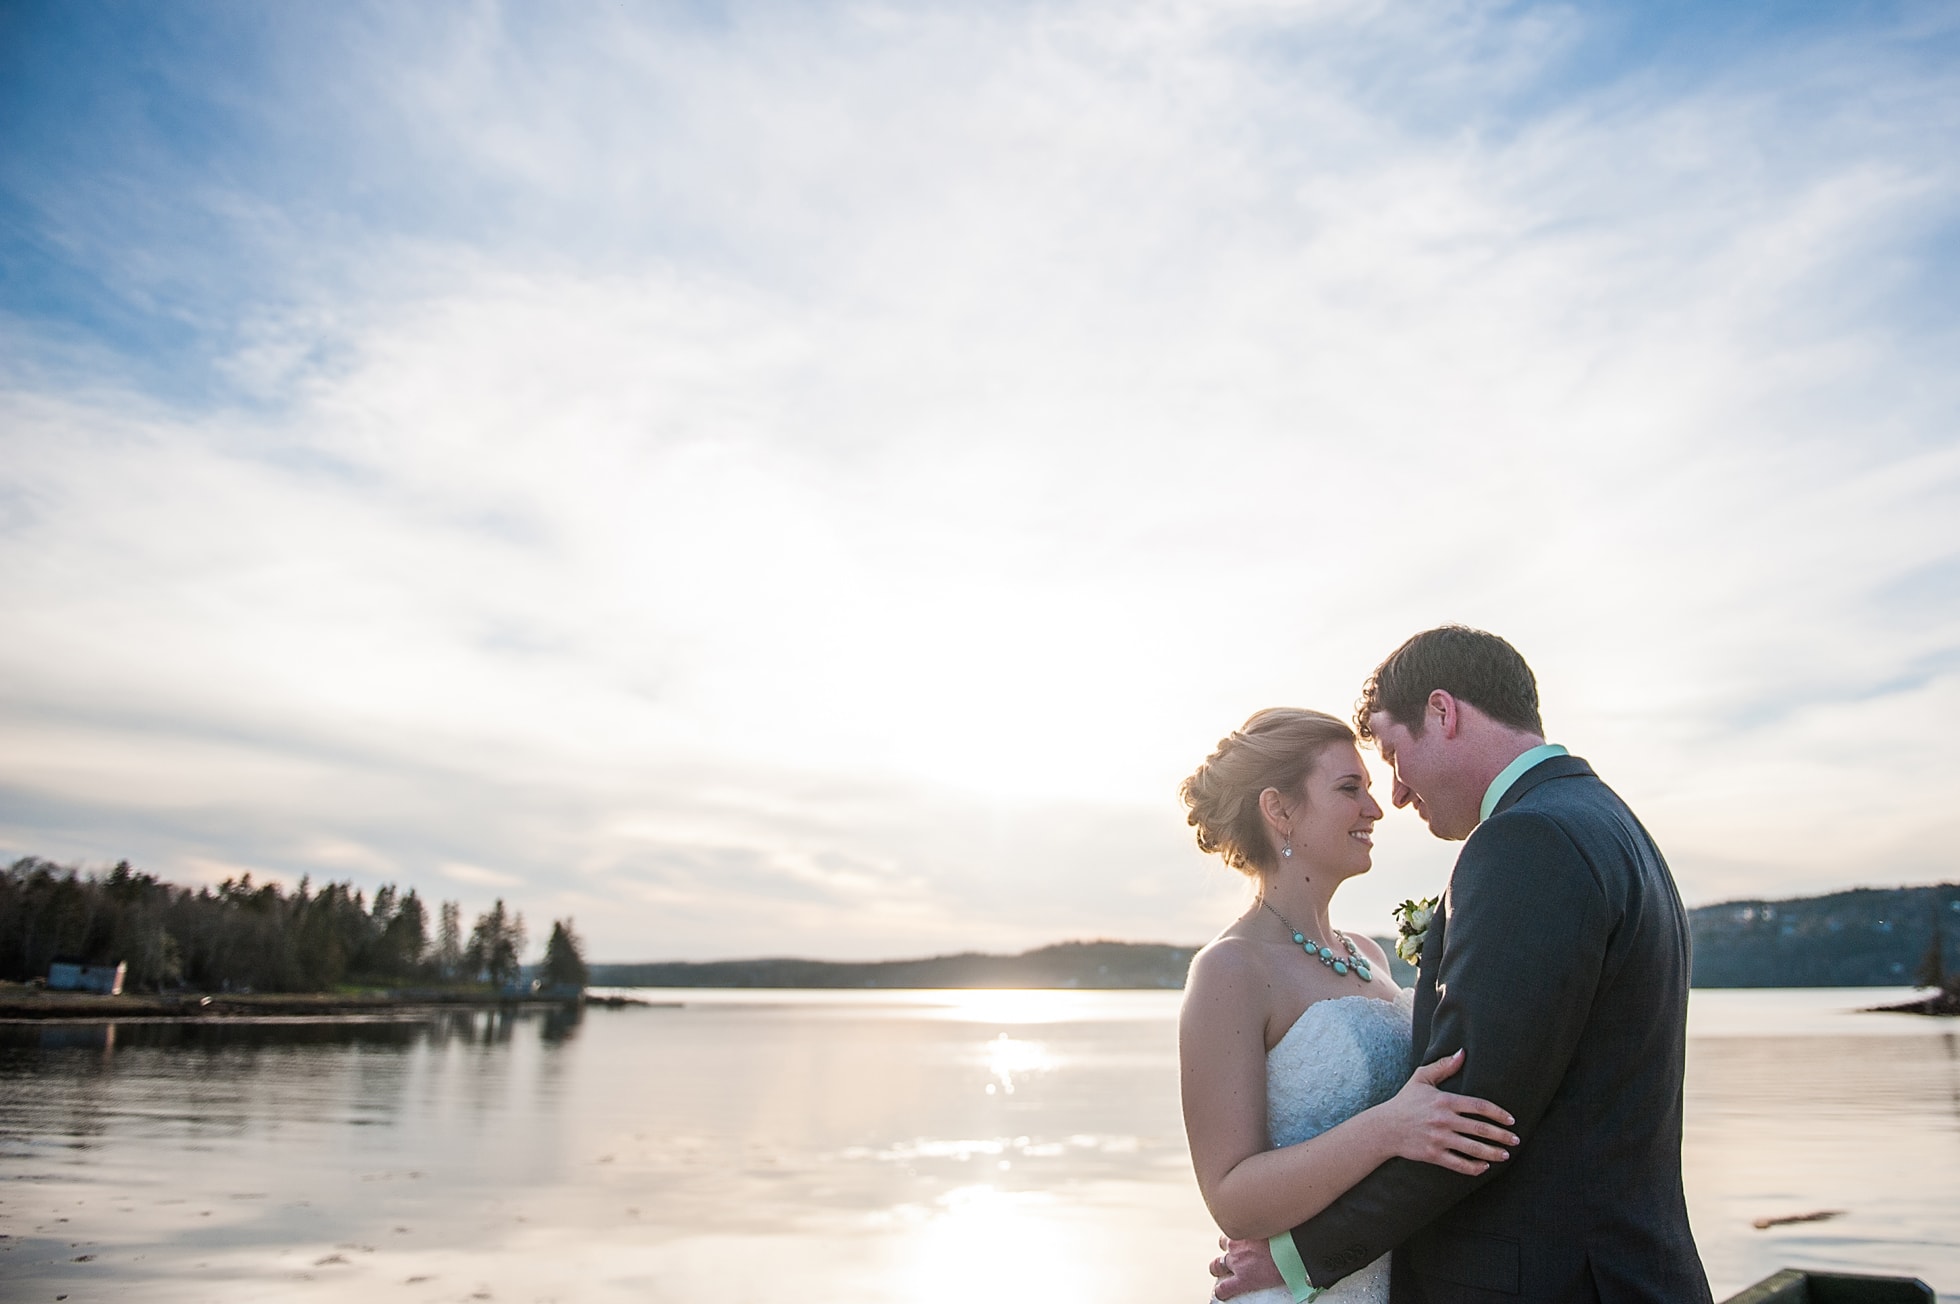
{"points": [[1340, 964]]}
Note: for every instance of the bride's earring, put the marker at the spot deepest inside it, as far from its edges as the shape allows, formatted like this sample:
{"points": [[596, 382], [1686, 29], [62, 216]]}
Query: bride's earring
{"points": [[1287, 850]]}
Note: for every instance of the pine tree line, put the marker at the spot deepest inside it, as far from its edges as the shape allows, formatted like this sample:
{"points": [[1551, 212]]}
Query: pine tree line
{"points": [[256, 936]]}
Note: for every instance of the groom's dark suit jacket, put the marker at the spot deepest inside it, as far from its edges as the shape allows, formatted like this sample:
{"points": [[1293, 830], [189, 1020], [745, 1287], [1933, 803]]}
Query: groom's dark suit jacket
{"points": [[1559, 962]]}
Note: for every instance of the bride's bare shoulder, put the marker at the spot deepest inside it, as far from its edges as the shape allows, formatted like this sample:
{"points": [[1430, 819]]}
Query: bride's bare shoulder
{"points": [[1226, 995], [1227, 961]]}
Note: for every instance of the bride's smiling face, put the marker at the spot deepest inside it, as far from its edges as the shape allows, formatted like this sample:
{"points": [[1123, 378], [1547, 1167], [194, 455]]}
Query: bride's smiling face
{"points": [[1333, 818]]}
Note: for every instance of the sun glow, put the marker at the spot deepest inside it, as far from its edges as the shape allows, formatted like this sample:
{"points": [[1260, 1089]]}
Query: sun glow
{"points": [[1007, 1057], [984, 1244]]}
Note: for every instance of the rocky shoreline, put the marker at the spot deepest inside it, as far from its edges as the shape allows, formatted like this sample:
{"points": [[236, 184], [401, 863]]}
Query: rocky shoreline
{"points": [[1944, 1003]]}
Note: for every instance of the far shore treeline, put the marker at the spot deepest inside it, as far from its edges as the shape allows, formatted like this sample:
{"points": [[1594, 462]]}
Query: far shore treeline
{"points": [[256, 936], [247, 936]]}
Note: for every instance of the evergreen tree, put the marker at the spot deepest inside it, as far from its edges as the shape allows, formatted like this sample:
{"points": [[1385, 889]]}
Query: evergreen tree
{"points": [[496, 945], [449, 942], [406, 938], [564, 964]]}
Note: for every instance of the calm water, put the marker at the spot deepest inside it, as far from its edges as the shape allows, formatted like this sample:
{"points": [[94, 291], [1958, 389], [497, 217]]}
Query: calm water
{"points": [[855, 1146]]}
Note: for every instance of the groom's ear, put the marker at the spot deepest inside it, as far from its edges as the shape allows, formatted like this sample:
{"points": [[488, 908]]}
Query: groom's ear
{"points": [[1442, 710]]}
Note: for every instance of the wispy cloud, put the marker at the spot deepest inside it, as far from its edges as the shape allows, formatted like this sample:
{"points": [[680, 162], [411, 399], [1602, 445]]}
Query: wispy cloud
{"points": [[814, 479]]}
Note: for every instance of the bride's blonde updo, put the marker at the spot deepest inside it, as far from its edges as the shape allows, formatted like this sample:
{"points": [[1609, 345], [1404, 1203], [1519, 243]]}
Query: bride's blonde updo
{"points": [[1276, 748]]}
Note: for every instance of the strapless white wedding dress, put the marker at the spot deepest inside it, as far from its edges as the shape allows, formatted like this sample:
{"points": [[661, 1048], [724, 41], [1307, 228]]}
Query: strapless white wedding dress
{"points": [[1339, 1058]]}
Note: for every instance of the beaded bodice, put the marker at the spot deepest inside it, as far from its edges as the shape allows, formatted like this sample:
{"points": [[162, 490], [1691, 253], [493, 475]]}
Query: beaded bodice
{"points": [[1339, 1057]]}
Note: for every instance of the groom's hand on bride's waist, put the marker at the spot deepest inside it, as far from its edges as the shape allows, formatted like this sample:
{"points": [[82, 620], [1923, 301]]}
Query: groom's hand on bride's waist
{"points": [[1245, 1266]]}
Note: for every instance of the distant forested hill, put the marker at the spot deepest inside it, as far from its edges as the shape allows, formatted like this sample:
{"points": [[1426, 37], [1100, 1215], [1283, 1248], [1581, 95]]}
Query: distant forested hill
{"points": [[1068, 964], [1867, 937]]}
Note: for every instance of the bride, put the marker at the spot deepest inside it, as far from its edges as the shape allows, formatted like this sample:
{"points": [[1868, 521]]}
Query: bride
{"points": [[1293, 1042]]}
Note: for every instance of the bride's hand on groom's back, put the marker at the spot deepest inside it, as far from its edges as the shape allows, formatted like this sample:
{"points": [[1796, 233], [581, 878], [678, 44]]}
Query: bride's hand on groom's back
{"points": [[1433, 1126], [1244, 1267]]}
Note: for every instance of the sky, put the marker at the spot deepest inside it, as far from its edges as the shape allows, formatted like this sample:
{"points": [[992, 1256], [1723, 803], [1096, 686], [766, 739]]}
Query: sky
{"points": [[812, 478]]}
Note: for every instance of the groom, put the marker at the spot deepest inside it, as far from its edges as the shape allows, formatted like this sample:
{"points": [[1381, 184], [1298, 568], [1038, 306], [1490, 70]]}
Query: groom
{"points": [[1559, 962]]}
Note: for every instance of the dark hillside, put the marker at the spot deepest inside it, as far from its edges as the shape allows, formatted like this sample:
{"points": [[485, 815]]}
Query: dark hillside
{"points": [[1867, 937]]}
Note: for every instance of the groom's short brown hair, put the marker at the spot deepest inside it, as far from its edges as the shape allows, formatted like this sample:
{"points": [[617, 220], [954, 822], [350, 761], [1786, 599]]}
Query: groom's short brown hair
{"points": [[1468, 664]]}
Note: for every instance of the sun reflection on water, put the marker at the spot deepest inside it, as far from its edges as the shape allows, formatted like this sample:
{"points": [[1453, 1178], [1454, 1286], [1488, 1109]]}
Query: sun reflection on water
{"points": [[1008, 1056], [979, 1243]]}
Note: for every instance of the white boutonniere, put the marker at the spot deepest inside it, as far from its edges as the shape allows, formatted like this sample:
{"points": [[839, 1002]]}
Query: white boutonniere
{"points": [[1412, 927]]}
